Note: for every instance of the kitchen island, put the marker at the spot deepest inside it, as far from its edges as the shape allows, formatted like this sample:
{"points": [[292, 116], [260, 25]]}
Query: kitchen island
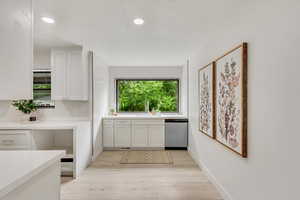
{"points": [[30, 175]]}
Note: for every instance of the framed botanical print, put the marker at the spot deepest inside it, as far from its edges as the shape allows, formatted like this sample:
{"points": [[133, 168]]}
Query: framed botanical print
{"points": [[231, 99], [206, 100]]}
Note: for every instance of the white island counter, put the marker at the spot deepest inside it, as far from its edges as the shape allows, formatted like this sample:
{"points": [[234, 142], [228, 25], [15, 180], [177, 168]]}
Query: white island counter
{"points": [[30, 175]]}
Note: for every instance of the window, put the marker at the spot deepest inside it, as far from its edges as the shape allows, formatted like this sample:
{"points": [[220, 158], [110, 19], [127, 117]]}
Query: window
{"points": [[42, 89], [147, 95]]}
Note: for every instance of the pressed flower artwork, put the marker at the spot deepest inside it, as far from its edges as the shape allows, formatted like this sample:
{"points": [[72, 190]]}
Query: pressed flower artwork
{"points": [[231, 108], [206, 98]]}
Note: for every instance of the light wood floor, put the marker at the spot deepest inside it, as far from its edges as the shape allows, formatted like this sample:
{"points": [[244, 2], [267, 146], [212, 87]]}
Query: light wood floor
{"points": [[107, 179]]}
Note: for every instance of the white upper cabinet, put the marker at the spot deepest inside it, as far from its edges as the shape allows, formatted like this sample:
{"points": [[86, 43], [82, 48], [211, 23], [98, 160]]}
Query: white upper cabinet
{"points": [[58, 75], [16, 49], [69, 75], [76, 76]]}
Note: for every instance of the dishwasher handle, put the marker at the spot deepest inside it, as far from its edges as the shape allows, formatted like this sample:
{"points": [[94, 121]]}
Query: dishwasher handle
{"points": [[176, 120]]}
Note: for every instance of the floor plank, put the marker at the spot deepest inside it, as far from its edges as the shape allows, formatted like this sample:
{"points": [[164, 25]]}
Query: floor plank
{"points": [[107, 179]]}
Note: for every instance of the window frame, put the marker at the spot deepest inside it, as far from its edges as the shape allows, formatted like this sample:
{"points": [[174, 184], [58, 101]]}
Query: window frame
{"points": [[148, 79]]}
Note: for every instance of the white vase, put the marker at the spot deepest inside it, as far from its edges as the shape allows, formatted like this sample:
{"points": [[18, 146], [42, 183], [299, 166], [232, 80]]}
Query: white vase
{"points": [[33, 115]]}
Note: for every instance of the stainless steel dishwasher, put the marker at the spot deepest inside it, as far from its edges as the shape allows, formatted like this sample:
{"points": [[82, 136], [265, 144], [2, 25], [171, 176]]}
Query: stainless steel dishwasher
{"points": [[176, 133]]}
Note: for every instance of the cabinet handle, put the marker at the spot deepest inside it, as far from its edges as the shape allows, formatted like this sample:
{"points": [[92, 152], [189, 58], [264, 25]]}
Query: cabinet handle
{"points": [[8, 142]]}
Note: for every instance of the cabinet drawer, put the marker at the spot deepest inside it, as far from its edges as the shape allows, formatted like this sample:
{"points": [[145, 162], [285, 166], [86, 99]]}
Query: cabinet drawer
{"points": [[15, 140], [123, 122], [148, 122], [107, 122]]}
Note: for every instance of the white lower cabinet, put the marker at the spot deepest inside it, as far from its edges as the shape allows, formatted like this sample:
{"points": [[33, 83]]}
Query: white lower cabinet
{"points": [[139, 136], [108, 133], [15, 140], [122, 133], [123, 136], [108, 136], [133, 133], [156, 136]]}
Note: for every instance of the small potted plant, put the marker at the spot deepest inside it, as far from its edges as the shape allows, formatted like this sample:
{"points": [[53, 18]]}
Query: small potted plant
{"points": [[27, 107]]}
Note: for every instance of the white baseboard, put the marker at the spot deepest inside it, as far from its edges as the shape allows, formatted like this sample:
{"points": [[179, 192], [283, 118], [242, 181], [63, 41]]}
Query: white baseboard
{"points": [[210, 176]]}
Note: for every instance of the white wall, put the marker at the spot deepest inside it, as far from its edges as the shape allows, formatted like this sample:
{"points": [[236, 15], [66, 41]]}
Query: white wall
{"points": [[272, 170], [147, 72], [100, 100], [64, 110]]}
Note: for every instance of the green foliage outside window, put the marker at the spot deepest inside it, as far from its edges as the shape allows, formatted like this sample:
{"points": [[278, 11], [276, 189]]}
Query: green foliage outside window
{"points": [[135, 95], [42, 86]]}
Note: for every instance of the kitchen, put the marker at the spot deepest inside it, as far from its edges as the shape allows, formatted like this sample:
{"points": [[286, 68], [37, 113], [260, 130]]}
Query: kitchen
{"points": [[74, 92], [156, 100]]}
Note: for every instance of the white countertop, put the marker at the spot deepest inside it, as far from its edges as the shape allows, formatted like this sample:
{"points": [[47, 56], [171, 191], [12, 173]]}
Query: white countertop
{"points": [[17, 167], [42, 125], [146, 116]]}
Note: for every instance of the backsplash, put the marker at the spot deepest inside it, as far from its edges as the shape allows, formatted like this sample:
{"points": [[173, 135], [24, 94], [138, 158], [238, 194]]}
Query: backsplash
{"points": [[64, 110]]}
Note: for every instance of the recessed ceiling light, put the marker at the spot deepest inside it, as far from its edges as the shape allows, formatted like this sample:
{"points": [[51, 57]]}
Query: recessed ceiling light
{"points": [[138, 21], [48, 20]]}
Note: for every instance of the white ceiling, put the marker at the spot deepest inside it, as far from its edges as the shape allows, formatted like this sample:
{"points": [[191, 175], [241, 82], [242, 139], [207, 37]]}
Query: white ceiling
{"points": [[173, 29]]}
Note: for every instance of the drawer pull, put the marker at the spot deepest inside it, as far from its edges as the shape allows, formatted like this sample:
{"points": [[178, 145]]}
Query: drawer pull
{"points": [[8, 142]]}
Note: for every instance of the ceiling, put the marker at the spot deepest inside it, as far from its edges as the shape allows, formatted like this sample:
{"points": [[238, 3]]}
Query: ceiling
{"points": [[173, 29]]}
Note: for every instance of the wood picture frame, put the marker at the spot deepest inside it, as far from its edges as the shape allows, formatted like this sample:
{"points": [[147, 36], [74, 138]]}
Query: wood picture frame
{"points": [[231, 99], [206, 99]]}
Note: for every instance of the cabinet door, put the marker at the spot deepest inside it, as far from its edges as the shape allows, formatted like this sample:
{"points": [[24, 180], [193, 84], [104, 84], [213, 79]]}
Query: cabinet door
{"points": [[58, 75], [15, 140], [108, 136], [156, 135], [76, 77], [16, 49], [139, 136], [122, 136]]}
